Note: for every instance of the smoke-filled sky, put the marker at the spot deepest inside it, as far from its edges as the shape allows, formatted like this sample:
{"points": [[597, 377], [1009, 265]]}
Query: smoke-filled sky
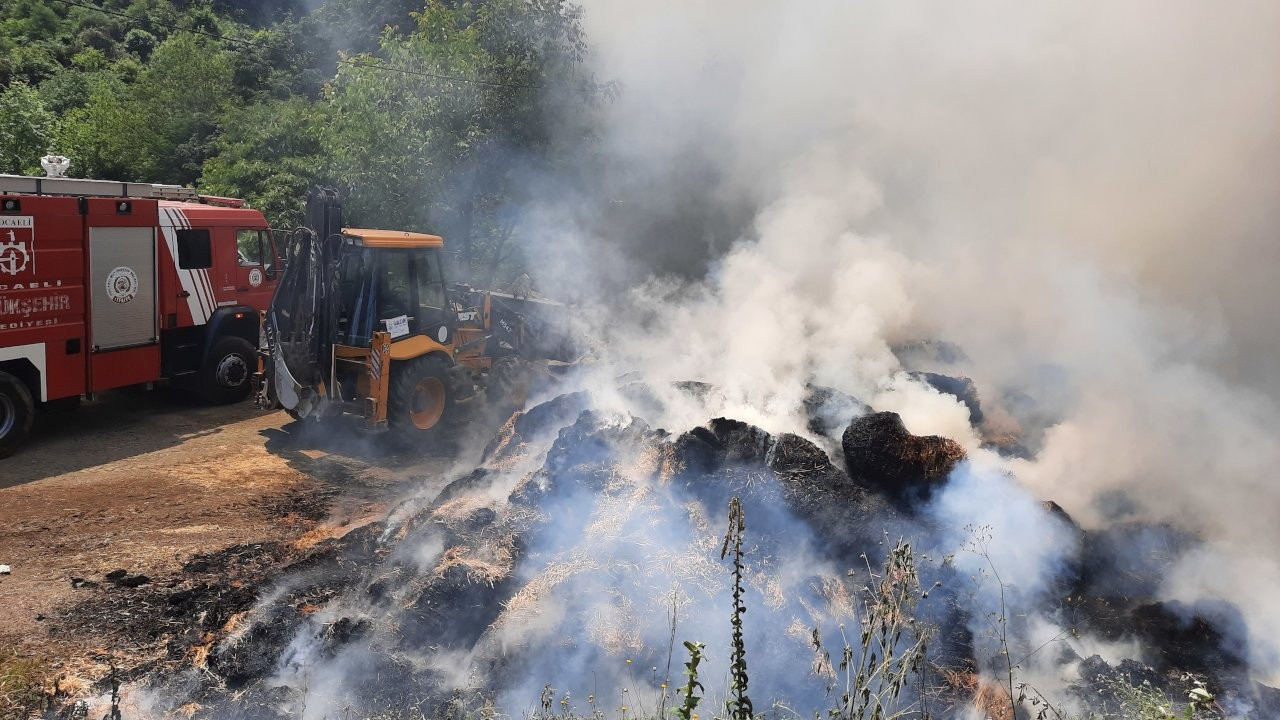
{"points": [[1080, 195]]}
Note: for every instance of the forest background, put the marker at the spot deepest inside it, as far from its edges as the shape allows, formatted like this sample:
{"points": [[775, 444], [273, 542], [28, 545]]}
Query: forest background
{"points": [[444, 117]]}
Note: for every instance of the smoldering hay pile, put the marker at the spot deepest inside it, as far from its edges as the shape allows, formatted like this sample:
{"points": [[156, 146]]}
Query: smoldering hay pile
{"points": [[1082, 199], [588, 542]]}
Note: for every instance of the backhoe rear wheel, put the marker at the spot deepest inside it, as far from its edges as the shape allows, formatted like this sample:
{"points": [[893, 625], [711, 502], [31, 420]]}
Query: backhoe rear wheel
{"points": [[507, 388], [420, 399], [17, 411]]}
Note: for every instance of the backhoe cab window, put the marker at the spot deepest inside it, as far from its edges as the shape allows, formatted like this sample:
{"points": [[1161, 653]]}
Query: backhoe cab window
{"points": [[394, 299], [430, 282], [380, 285], [355, 288]]}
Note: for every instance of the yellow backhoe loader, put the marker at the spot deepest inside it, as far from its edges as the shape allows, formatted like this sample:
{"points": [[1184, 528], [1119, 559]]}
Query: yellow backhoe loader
{"points": [[365, 322]]}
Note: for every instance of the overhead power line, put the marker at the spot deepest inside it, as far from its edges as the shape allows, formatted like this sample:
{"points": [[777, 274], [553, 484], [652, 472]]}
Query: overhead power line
{"points": [[340, 61]]}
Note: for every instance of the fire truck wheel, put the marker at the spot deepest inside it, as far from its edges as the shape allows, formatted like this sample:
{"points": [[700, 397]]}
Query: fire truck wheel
{"points": [[17, 410], [226, 376], [420, 397]]}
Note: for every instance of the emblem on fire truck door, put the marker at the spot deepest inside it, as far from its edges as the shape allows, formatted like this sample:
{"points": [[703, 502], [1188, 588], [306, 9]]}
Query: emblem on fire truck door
{"points": [[122, 285], [255, 278], [17, 244]]}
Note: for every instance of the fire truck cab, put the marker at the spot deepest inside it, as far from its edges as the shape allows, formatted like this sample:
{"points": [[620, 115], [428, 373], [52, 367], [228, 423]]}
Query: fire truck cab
{"points": [[108, 284]]}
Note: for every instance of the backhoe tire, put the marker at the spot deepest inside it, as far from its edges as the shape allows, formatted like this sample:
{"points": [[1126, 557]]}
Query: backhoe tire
{"points": [[420, 399], [507, 387], [226, 376], [17, 412]]}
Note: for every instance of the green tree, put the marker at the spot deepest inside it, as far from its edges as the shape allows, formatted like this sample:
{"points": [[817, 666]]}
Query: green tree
{"points": [[269, 154], [25, 129], [161, 128], [453, 144], [139, 42]]}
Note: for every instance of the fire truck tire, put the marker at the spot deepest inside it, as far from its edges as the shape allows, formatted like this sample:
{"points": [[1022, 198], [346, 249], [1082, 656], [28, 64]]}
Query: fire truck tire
{"points": [[420, 399], [226, 375], [17, 411]]}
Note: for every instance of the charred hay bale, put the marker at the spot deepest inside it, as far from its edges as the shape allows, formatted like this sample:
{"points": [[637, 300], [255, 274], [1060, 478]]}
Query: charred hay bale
{"points": [[1066, 581], [808, 477], [721, 457], [694, 388], [331, 568], [253, 656], [738, 441], [583, 456], [538, 421], [882, 456], [828, 410], [961, 388], [842, 513], [475, 481], [694, 453], [730, 457], [552, 415], [346, 555], [333, 636], [1120, 566], [1095, 689], [1206, 638], [454, 609]]}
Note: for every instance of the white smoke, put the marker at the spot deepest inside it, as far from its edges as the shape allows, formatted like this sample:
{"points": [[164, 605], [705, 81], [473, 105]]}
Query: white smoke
{"points": [[1080, 195]]}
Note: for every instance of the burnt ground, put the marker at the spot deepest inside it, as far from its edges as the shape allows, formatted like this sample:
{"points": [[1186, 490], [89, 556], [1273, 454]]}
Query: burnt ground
{"points": [[190, 565], [139, 520]]}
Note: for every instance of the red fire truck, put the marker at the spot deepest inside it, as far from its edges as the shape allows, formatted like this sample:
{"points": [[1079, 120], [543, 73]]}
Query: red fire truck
{"points": [[107, 284]]}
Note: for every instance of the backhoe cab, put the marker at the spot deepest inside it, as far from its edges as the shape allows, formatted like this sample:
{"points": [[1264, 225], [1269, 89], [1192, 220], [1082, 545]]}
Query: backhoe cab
{"points": [[365, 322]]}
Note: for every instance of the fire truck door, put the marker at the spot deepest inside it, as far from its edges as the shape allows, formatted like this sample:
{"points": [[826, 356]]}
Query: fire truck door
{"points": [[122, 287], [256, 267]]}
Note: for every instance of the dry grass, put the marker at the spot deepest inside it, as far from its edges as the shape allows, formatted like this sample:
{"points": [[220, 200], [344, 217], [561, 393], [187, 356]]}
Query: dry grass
{"points": [[989, 698], [22, 683], [489, 566], [331, 530]]}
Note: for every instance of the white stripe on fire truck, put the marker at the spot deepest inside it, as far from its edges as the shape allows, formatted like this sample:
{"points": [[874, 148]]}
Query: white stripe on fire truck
{"points": [[195, 298], [195, 301], [201, 275]]}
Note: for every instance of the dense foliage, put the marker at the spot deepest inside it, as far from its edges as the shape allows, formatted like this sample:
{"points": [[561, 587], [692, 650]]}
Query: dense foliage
{"points": [[433, 116]]}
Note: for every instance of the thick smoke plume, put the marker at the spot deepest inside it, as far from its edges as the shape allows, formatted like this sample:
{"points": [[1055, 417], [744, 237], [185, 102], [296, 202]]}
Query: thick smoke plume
{"points": [[1079, 196]]}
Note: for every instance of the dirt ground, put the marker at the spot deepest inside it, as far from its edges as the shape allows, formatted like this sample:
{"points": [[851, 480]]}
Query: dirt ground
{"points": [[145, 481]]}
